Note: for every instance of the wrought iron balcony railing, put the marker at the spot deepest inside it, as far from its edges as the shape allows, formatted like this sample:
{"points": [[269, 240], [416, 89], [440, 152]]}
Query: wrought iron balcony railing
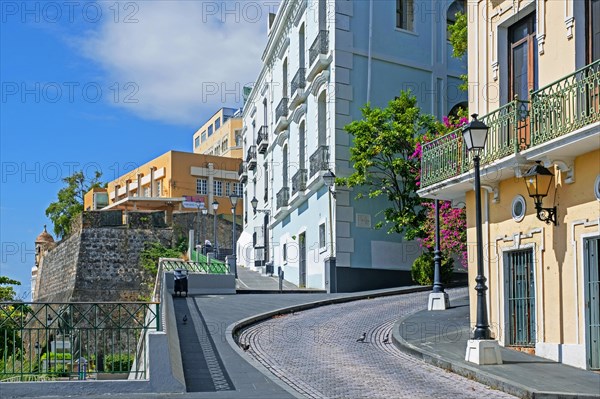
{"points": [[299, 181], [243, 173], [319, 46], [251, 157], [299, 80], [283, 196], [282, 109], [566, 105], [319, 160], [262, 139]]}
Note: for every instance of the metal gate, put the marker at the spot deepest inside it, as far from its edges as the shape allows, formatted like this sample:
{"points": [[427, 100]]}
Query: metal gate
{"points": [[521, 298], [591, 247]]}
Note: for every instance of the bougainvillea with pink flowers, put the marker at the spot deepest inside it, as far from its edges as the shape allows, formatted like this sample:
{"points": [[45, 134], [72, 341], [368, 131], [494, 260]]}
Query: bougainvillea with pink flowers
{"points": [[453, 222]]}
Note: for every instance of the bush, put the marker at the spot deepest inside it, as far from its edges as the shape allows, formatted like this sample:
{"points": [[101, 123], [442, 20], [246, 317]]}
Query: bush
{"points": [[121, 362], [423, 267]]}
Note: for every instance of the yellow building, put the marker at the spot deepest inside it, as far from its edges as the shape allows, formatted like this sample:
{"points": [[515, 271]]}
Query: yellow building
{"points": [[173, 178], [534, 75], [221, 135]]}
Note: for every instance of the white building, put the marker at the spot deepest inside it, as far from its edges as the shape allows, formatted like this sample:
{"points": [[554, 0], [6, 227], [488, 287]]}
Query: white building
{"points": [[323, 61]]}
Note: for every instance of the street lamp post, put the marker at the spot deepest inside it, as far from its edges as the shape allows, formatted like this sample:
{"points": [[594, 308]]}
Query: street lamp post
{"points": [[234, 199], [438, 299], [215, 206], [478, 349], [199, 241], [204, 213]]}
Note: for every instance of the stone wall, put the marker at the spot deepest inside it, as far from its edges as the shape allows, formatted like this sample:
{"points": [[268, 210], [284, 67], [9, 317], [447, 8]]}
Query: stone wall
{"points": [[183, 222]]}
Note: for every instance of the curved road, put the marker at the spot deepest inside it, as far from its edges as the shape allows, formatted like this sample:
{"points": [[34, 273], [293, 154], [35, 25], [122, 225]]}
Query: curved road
{"points": [[316, 352]]}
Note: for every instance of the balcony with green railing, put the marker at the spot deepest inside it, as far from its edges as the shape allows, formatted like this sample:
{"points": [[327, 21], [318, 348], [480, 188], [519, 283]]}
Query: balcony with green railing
{"points": [[555, 110]]}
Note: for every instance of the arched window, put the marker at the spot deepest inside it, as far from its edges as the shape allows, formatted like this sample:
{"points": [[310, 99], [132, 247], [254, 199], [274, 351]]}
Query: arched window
{"points": [[302, 145], [455, 7], [285, 166], [301, 44], [454, 111], [322, 118], [285, 78]]}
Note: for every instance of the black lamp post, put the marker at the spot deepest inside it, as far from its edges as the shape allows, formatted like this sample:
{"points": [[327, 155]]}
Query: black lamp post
{"points": [[254, 203], [538, 180], [438, 287], [204, 213], [475, 136], [234, 199], [215, 206]]}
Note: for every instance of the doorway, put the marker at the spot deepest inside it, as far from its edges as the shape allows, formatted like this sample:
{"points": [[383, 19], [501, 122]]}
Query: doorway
{"points": [[591, 248], [521, 298]]}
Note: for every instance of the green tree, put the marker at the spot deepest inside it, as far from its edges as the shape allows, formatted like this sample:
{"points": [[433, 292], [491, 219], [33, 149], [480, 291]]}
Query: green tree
{"points": [[7, 293], [70, 201], [384, 141], [459, 41]]}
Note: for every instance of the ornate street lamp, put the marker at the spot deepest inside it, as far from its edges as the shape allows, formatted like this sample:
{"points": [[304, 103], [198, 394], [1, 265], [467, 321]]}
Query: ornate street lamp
{"points": [[215, 206], [233, 198], [538, 180], [475, 137], [438, 298]]}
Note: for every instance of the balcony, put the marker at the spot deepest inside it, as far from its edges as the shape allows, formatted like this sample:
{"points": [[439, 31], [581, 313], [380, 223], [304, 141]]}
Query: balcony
{"points": [[283, 196], [523, 129], [318, 55], [243, 173], [297, 88], [319, 160], [262, 140], [251, 158], [299, 181], [281, 113]]}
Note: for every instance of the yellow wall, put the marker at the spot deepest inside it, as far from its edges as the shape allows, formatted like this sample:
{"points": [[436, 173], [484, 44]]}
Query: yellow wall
{"points": [[213, 144], [558, 278], [88, 198], [178, 180]]}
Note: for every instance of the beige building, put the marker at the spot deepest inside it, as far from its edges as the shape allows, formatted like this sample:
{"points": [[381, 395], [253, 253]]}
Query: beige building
{"points": [[534, 76], [221, 135], [170, 180]]}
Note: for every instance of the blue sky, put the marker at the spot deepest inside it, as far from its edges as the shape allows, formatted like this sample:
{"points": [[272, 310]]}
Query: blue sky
{"points": [[107, 86]]}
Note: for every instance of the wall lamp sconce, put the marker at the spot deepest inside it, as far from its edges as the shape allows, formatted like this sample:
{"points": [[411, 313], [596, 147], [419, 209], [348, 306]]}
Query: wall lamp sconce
{"points": [[254, 203], [538, 180]]}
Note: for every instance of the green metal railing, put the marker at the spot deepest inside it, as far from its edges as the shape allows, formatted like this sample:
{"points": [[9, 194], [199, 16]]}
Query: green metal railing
{"points": [[65, 341], [566, 105], [202, 265], [554, 110], [446, 156]]}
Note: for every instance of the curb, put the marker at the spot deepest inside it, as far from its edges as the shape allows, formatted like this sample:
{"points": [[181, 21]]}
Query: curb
{"points": [[473, 373]]}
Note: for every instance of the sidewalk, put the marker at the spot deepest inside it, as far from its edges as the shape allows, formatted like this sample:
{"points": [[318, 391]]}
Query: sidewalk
{"points": [[251, 282], [440, 338]]}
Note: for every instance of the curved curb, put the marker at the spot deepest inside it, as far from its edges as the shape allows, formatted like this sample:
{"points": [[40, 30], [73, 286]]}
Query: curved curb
{"points": [[233, 328], [470, 372]]}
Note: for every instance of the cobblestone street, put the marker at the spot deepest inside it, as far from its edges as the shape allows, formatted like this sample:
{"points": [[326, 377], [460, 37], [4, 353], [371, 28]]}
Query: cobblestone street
{"points": [[317, 353]]}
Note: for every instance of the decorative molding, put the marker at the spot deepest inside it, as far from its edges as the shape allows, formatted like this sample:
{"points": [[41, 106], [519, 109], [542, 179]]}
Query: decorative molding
{"points": [[283, 136], [319, 80], [516, 238], [253, 110], [299, 12], [541, 24], [264, 89], [541, 39], [567, 166], [495, 67], [285, 43], [494, 190], [569, 24], [298, 113]]}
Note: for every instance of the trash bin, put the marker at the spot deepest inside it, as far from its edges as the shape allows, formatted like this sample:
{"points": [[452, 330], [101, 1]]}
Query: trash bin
{"points": [[270, 268], [181, 281]]}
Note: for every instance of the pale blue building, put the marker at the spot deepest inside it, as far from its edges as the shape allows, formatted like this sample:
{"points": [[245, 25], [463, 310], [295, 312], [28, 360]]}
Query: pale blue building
{"points": [[324, 60]]}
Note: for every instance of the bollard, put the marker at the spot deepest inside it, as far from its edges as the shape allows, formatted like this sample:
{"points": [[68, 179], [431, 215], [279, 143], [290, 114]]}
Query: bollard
{"points": [[280, 280]]}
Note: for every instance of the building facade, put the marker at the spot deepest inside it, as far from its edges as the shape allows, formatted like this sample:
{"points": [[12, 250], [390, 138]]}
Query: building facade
{"points": [[534, 73], [166, 182], [221, 135], [323, 62]]}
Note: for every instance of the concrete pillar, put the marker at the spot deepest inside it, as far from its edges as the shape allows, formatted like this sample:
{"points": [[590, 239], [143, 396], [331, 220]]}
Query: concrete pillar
{"points": [[152, 188], [117, 187], [127, 183], [139, 184], [330, 275]]}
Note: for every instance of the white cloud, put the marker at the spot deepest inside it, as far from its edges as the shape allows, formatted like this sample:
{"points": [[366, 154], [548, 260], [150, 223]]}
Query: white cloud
{"points": [[179, 53]]}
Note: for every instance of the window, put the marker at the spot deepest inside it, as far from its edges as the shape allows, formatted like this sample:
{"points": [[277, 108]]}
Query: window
{"points": [[147, 191], [322, 241], [523, 58], [404, 14], [218, 188], [210, 130], [203, 135], [238, 138], [159, 188], [227, 188], [593, 30], [217, 123], [197, 141], [285, 252], [225, 145], [238, 189], [201, 187], [266, 169], [519, 208]]}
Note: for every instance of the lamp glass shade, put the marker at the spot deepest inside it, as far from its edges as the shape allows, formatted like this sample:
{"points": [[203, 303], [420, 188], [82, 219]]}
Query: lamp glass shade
{"points": [[475, 134], [538, 180], [215, 205], [329, 178], [254, 203], [204, 211], [234, 199]]}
